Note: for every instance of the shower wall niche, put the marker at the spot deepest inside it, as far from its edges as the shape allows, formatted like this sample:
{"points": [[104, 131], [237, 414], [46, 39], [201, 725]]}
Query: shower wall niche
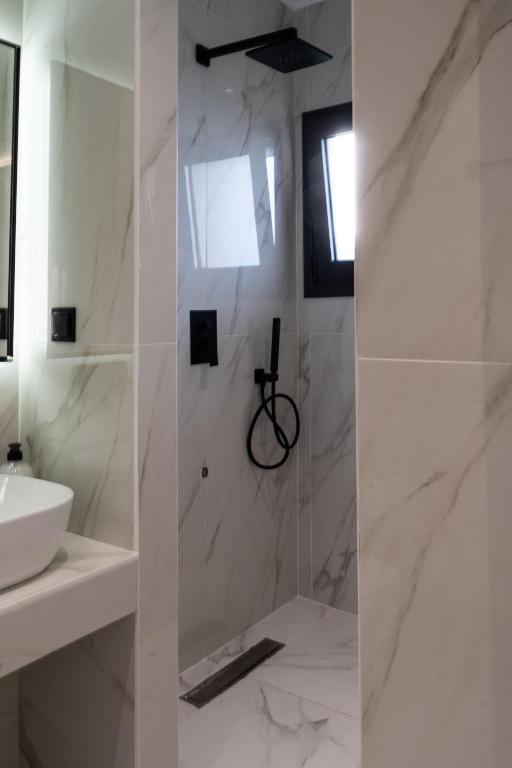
{"points": [[249, 540]]}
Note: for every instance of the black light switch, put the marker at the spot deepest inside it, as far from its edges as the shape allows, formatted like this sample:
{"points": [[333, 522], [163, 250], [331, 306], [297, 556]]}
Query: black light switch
{"points": [[203, 337], [64, 324], [4, 320]]}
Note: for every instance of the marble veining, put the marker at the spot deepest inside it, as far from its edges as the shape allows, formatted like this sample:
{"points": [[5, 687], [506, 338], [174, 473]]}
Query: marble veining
{"points": [[237, 535], [285, 624], [90, 226], [8, 404], [421, 506], [66, 601], [320, 664], [78, 426], [281, 714], [333, 470], [271, 728], [95, 675], [407, 190], [327, 506], [157, 518]]}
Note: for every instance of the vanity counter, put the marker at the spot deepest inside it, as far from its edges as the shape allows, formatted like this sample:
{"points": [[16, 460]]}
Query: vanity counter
{"points": [[88, 586]]}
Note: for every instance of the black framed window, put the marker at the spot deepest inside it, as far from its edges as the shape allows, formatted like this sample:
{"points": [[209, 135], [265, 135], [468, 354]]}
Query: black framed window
{"points": [[329, 201]]}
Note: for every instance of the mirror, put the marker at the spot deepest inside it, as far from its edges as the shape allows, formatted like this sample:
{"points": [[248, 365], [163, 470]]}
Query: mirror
{"points": [[9, 86]]}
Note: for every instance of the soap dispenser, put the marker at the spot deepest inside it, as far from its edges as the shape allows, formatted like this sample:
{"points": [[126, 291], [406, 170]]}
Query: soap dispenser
{"points": [[15, 464]]}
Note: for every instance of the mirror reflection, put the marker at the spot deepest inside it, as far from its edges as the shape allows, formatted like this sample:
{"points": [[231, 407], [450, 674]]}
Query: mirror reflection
{"points": [[9, 64]]}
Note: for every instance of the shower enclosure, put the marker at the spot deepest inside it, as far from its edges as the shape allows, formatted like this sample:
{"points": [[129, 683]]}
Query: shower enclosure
{"points": [[261, 551]]}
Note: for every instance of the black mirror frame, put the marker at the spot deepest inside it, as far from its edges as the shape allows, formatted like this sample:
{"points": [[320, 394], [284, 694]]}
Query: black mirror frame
{"points": [[14, 193], [322, 277]]}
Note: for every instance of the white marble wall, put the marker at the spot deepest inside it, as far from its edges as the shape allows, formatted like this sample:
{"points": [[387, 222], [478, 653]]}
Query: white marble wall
{"points": [[327, 502], [8, 405], [62, 724], [157, 427], [434, 127], [76, 249], [237, 538]]}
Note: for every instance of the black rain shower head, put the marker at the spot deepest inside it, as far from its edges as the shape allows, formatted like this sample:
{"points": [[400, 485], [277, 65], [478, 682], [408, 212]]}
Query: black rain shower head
{"points": [[290, 55], [282, 50]]}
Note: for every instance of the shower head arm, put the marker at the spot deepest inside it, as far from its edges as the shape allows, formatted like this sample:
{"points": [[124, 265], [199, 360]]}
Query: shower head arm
{"points": [[205, 55]]}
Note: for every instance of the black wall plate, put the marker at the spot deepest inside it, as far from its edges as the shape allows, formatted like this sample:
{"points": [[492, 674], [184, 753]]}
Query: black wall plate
{"points": [[203, 337], [4, 324], [64, 324]]}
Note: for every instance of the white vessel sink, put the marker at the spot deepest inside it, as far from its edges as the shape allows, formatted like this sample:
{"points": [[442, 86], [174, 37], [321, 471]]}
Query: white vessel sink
{"points": [[34, 514]]}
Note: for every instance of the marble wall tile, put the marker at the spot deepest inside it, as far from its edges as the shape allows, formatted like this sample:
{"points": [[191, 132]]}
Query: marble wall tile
{"points": [[435, 178], [11, 21], [90, 226], [193, 501], [333, 470], [158, 540], [157, 532], [158, 168], [305, 502], [9, 722], [8, 405], [435, 532], [327, 512], [329, 25], [78, 427], [331, 83], [238, 532], [252, 19], [327, 315], [78, 704], [251, 523], [191, 164]]}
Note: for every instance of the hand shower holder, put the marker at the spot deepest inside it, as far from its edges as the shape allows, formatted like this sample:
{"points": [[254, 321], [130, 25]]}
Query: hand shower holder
{"points": [[262, 377]]}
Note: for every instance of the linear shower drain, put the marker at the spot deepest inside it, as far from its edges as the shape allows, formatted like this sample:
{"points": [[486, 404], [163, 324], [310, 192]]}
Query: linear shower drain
{"points": [[229, 675]]}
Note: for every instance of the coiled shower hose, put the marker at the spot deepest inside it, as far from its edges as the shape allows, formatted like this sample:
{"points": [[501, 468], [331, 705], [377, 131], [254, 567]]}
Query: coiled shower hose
{"points": [[268, 407]]}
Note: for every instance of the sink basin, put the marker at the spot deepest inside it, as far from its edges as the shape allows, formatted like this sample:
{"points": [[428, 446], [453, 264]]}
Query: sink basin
{"points": [[34, 514]]}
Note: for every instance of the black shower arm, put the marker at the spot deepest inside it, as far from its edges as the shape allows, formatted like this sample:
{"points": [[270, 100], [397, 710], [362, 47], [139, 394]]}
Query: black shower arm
{"points": [[205, 55]]}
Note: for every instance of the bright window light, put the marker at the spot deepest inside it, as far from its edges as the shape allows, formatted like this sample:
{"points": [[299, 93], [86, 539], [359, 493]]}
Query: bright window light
{"points": [[339, 173], [222, 213], [271, 181]]}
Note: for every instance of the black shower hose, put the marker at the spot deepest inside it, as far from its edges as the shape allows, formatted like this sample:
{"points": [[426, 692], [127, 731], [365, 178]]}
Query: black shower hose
{"points": [[281, 437]]}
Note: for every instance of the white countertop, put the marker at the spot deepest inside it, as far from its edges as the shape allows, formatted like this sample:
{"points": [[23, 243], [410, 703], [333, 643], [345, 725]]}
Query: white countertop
{"points": [[88, 586]]}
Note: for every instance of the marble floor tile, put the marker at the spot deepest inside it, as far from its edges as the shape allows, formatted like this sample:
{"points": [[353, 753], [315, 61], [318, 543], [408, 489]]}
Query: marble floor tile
{"points": [[320, 665], [259, 726], [285, 625]]}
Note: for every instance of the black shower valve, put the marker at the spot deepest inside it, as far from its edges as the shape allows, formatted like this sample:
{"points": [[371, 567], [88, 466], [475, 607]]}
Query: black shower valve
{"points": [[203, 337]]}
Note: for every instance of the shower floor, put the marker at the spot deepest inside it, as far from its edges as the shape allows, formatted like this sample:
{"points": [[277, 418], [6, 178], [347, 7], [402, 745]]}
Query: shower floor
{"points": [[300, 709]]}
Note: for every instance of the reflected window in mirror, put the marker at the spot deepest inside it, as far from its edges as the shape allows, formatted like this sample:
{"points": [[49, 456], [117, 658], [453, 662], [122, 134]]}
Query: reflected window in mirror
{"points": [[9, 107], [329, 201]]}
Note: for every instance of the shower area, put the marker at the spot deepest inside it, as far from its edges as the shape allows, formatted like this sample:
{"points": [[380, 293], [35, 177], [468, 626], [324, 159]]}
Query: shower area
{"points": [[262, 553]]}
